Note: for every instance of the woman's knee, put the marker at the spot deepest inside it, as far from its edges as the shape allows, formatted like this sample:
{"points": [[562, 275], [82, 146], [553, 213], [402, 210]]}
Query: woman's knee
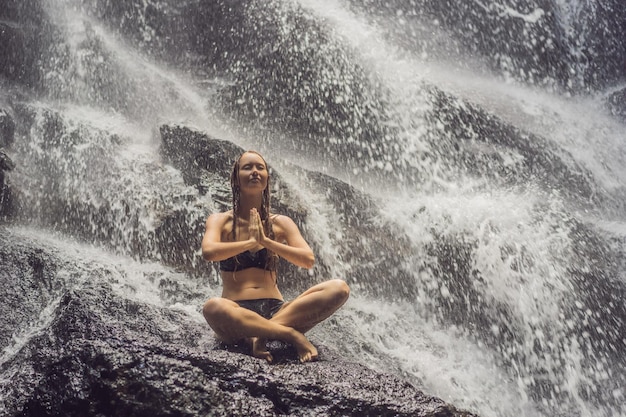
{"points": [[340, 289], [213, 307]]}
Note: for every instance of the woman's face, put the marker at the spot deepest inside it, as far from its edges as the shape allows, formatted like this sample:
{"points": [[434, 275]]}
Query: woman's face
{"points": [[253, 173]]}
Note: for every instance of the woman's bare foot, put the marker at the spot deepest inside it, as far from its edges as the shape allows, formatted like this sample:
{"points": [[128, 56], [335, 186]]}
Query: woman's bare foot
{"points": [[306, 351], [259, 349]]}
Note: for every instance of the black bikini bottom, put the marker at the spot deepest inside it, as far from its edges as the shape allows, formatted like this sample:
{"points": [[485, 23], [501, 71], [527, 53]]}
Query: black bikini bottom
{"points": [[265, 307]]}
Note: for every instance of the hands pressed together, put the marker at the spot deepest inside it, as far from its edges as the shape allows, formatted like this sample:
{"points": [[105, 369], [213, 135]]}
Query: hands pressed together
{"points": [[255, 228]]}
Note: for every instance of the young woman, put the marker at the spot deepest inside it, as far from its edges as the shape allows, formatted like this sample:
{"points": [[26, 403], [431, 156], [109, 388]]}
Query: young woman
{"points": [[247, 242]]}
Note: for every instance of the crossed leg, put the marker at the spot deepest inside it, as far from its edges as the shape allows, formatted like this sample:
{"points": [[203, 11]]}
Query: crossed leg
{"points": [[231, 323]]}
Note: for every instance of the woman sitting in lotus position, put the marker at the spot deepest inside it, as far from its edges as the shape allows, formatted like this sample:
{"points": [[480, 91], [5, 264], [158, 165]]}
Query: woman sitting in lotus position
{"points": [[247, 242]]}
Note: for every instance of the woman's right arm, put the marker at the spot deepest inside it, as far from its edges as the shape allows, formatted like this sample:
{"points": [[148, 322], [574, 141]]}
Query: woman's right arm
{"points": [[213, 249]]}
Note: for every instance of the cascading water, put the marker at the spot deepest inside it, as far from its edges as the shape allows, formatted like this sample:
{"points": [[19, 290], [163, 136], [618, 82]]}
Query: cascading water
{"points": [[501, 176]]}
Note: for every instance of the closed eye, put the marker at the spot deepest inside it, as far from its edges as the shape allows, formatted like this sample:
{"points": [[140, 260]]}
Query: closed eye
{"points": [[249, 166]]}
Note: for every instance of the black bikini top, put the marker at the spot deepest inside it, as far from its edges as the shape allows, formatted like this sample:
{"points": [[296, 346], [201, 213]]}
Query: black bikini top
{"points": [[246, 260]]}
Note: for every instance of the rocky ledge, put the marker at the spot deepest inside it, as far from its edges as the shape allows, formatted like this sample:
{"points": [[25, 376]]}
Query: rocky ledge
{"points": [[85, 349]]}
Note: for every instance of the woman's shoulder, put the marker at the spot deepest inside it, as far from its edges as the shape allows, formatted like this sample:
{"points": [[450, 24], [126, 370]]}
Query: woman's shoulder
{"points": [[279, 218], [220, 218], [282, 221]]}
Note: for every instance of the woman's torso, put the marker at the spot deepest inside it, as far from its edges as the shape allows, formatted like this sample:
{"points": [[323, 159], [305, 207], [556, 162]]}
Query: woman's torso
{"points": [[250, 283]]}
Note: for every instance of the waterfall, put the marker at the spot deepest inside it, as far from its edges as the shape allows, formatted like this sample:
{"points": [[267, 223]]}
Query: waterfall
{"points": [[488, 268]]}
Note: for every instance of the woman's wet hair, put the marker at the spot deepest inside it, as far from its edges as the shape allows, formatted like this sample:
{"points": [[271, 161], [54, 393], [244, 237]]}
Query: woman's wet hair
{"points": [[265, 205]]}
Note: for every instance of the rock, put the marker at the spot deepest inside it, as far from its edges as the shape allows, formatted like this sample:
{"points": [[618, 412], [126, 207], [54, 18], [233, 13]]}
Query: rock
{"points": [[523, 45], [205, 164], [598, 42], [7, 129], [507, 154], [106, 355], [576, 47], [282, 65], [200, 159], [26, 39], [616, 104], [372, 249], [7, 137], [6, 164]]}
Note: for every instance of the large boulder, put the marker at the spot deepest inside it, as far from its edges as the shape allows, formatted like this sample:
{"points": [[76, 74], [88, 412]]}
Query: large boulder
{"points": [[481, 144], [95, 352], [366, 246], [79, 160]]}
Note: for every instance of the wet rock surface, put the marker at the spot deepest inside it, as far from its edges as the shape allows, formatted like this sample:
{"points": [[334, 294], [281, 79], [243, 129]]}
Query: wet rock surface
{"points": [[100, 354]]}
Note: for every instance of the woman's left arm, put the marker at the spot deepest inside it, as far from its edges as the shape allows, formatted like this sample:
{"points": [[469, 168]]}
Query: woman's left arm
{"points": [[295, 250]]}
